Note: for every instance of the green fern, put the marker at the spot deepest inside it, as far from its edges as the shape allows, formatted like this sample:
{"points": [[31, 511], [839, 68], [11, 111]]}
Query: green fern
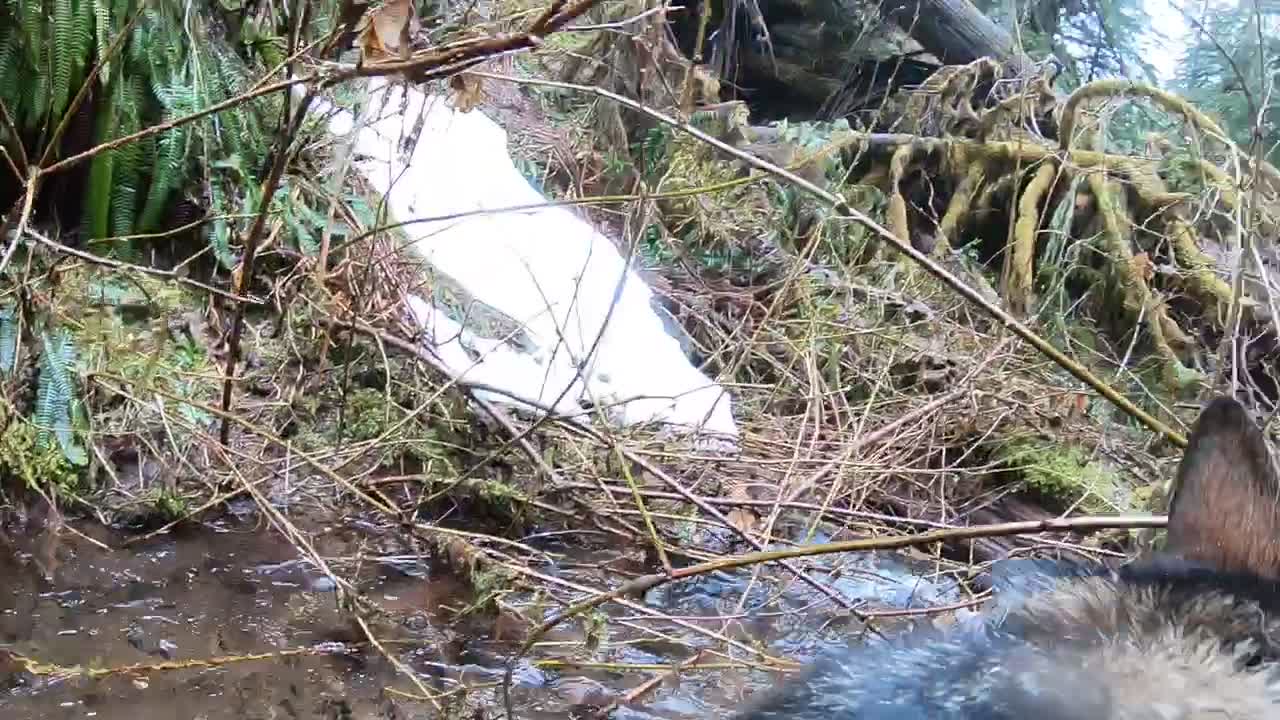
{"points": [[11, 67], [224, 131], [97, 205], [55, 396], [105, 32], [33, 24], [129, 160], [62, 55], [136, 48], [8, 339], [220, 229], [232, 73], [166, 172], [169, 167], [174, 62], [82, 37], [37, 105], [52, 391], [305, 222], [166, 175]]}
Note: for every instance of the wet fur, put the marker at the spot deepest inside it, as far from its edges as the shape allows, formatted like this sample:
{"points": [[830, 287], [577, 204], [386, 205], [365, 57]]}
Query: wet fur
{"points": [[1193, 632]]}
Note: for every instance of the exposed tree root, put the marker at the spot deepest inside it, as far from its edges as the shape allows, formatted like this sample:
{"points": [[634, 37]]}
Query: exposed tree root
{"points": [[897, 220], [1018, 291], [958, 210], [982, 161]]}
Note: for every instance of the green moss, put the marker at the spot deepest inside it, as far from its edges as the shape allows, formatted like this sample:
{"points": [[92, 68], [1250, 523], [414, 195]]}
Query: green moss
{"points": [[368, 414], [24, 460], [1066, 475], [133, 330], [170, 505], [502, 498]]}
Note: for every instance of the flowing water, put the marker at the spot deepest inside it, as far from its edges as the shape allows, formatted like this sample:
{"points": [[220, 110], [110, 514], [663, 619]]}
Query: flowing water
{"points": [[229, 590]]}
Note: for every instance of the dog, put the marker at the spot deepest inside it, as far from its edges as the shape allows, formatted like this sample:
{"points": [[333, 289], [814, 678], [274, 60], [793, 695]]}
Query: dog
{"points": [[1190, 632]]}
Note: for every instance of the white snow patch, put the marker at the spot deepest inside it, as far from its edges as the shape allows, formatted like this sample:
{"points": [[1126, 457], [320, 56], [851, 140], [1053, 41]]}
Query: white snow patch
{"points": [[544, 268]]}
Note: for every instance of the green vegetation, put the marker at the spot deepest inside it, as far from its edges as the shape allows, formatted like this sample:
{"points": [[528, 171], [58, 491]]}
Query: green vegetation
{"points": [[1065, 475]]}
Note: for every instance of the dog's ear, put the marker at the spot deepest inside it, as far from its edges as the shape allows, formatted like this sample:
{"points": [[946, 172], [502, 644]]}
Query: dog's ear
{"points": [[1225, 507]]}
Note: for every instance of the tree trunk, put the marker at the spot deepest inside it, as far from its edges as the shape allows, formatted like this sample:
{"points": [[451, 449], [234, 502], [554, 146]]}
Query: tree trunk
{"points": [[956, 32]]}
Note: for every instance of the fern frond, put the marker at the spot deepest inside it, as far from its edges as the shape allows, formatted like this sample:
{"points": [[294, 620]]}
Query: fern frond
{"points": [[306, 222], [166, 47], [45, 413], [232, 75], [55, 396], [124, 197], [12, 67], [220, 129], [33, 26], [84, 32], [97, 204], [54, 388], [136, 52], [37, 104], [220, 229], [8, 339], [272, 52], [71, 449], [166, 174], [129, 159], [132, 100], [62, 48], [169, 167], [103, 30]]}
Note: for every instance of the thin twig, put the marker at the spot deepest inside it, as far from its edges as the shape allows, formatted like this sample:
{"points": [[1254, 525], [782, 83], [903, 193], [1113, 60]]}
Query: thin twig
{"points": [[169, 275], [168, 125], [11, 128], [120, 383], [116, 44], [24, 218], [288, 132], [639, 586], [429, 358]]}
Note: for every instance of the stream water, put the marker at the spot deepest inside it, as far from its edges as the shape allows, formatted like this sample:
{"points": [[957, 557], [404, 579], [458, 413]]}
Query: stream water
{"points": [[232, 589]]}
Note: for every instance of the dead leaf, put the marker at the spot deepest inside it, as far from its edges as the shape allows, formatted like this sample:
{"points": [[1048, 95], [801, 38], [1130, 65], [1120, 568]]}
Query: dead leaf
{"points": [[460, 555], [1081, 404], [468, 91], [1143, 267], [388, 30], [743, 520]]}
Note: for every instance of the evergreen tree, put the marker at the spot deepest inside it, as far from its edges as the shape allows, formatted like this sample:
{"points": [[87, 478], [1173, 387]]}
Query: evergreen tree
{"points": [[1092, 39], [1229, 70]]}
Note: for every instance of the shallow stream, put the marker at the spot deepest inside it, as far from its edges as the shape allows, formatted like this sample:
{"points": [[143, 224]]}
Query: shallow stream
{"points": [[232, 589]]}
